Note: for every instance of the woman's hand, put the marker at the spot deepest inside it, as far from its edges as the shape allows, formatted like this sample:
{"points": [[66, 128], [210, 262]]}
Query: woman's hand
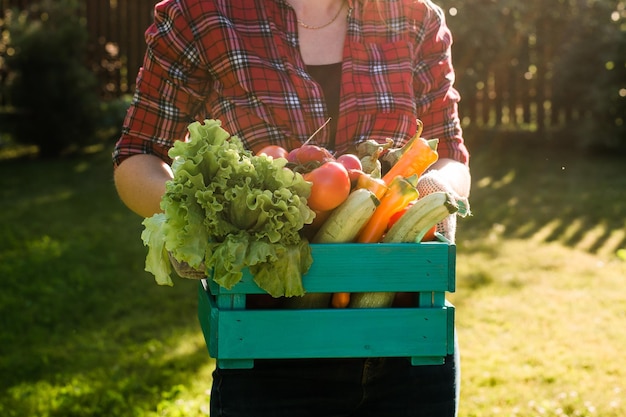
{"points": [[453, 178]]}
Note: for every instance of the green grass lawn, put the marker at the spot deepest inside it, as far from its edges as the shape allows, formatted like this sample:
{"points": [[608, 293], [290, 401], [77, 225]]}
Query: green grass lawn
{"points": [[84, 331], [541, 269]]}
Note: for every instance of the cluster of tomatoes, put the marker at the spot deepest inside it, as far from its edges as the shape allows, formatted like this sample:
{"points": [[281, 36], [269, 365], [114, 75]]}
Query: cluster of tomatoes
{"points": [[331, 177]]}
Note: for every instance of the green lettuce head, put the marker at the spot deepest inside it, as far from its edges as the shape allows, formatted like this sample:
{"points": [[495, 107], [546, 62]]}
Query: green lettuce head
{"points": [[227, 209]]}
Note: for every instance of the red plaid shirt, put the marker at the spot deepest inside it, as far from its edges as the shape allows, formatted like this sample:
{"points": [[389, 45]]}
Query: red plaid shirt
{"points": [[238, 61]]}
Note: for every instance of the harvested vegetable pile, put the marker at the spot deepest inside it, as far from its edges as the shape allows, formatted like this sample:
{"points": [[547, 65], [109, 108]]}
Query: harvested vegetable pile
{"points": [[227, 209]]}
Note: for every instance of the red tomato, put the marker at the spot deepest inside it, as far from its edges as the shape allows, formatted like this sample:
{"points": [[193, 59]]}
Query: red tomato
{"points": [[353, 165], [350, 161], [274, 151], [331, 186]]}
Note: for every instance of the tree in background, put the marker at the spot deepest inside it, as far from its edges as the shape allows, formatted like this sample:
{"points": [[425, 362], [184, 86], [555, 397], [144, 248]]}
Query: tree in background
{"points": [[48, 80], [591, 70], [564, 57]]}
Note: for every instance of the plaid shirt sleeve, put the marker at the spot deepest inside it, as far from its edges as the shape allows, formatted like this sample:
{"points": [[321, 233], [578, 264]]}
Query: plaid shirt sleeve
{"points": [[436, 98], [170, 90]]}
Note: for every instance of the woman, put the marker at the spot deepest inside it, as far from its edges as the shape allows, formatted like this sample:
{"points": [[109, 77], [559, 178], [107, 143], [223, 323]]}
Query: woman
{"points": [[274, 72]]}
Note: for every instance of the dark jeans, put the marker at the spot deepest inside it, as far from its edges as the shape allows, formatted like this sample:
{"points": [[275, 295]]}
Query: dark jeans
{"points": [[389, 387]]}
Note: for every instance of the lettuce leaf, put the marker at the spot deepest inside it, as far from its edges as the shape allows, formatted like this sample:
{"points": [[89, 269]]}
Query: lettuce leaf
{"points": [[157, 261], [226, 210]]}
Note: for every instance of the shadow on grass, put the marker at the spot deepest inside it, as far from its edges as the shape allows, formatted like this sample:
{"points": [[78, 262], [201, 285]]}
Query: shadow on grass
{"points": [[528, 188], [84, 330]]}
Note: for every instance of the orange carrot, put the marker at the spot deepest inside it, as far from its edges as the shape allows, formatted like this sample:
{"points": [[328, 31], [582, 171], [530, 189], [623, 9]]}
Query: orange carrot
{"points": [[340, 299], [400, 193]]}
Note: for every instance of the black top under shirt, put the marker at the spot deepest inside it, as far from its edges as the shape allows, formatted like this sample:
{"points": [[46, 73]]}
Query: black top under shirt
{"points": [[329, 77]]}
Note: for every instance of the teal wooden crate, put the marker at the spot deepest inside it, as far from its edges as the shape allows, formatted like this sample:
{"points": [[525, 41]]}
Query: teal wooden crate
{"points": [[236, 336]]}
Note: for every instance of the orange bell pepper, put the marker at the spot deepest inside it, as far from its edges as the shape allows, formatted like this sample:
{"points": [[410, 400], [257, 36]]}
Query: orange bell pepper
{"points": [[400, 193], [418, 156], [375, 185]]}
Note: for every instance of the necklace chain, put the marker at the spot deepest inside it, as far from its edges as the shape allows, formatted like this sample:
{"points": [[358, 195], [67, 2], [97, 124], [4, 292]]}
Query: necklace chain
{"points": [[304, 25]]}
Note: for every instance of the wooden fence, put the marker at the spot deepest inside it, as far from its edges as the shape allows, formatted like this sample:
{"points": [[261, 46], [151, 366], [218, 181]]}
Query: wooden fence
{"points": [[116, 39], [116, 29], [504, 94]]}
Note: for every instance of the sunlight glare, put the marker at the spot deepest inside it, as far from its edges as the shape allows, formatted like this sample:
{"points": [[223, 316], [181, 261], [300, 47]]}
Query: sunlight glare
{"points": [[484, 182], [505, 180], [189, 344], [525, 228], [52, 197], [590, 238], [543, 233], [613, 242], [571, 230]]}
